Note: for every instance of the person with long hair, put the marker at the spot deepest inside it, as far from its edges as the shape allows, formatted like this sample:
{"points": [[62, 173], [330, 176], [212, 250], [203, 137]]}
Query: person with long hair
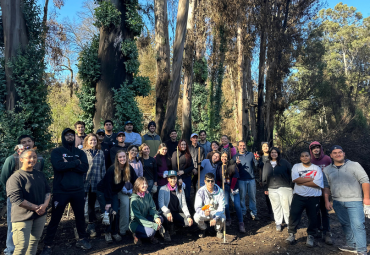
{"points": [[263, 158], [173, 207], [277, 180], [133, 159], [163, 164], [145, 219], [183, 164], [94, 175], [149, 167], [231, 175], [119, 176], [215, 146]]}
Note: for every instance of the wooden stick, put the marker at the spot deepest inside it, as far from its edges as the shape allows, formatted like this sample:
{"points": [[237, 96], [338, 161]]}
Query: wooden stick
{"points": [[178, 161], [223, 188], [199, 167]]}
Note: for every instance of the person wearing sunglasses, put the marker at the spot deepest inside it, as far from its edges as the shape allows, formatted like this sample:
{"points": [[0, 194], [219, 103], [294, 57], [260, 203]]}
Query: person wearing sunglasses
{"points": [[210, 206]]}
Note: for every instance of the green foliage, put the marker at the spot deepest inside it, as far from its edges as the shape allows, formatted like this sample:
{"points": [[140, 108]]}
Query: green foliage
{"points": [[107, 15], [129, 49], [133, 18]]}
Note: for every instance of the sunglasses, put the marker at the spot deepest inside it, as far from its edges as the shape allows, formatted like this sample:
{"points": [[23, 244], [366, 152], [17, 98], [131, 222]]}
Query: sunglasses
{"points": [[208, 181]]}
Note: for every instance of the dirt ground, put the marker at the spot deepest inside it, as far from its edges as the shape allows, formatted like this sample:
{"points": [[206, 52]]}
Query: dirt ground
{"points": [[261, 238]]}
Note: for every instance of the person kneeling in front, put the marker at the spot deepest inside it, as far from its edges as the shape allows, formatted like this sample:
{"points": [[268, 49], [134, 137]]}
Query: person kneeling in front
{"points": [[172, 204], [210, 206]]}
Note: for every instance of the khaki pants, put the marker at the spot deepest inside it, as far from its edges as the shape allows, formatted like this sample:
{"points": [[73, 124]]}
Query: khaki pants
{"points": [[281, 199], [124, 217], [26, 235]]}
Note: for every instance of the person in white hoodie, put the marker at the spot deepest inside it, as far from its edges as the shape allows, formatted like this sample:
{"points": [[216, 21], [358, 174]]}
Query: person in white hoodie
{"points": [[210, 206]]}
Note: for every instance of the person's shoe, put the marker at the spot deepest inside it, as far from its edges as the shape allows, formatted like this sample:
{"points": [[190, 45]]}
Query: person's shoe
{"points": [[153, 240], [202, 233], [255, 217], [108, 237], [290, 239], [228, 223], [220, 235], [278, 228], [167, 236], [136, 240], [117, 237], [83, 244], [361, 253], [47, 250], [91, 230], [310, 241], [105, 217], [347, 248], [327, 238], [241, 227]]}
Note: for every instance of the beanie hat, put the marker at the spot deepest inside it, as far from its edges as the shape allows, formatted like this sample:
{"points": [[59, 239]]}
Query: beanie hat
{"points": [[152, 123]]}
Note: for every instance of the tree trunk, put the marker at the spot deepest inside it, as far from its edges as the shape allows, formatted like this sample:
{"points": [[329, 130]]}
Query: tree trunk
{"points": [[113, 71], [261, 85], [240, 91], [178, 50], [188, 72], [252, 110], [235, 96], [163, 61], [15, 39]]}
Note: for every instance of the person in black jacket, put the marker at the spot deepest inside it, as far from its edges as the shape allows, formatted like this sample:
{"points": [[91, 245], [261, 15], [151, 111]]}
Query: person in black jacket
{"points": [[69, 165], [172, 142], [263, 158], [277, 179], [149, 168], [105, 147], [119, 145]]}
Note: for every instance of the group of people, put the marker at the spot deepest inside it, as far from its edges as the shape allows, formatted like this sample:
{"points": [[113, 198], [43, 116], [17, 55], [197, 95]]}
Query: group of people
{"points": [[143, 186]]}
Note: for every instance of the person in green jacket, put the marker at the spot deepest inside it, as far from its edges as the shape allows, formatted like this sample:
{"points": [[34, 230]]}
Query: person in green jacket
{"points": [[152, 139], [145, 219]]}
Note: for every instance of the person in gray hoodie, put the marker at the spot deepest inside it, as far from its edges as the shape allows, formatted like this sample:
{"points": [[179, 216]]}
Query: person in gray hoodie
{"points": [[347, 180]]}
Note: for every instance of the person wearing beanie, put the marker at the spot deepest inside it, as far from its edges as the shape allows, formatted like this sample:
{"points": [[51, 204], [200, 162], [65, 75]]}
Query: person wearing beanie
{"points": [[152, 139], [132, 138]]}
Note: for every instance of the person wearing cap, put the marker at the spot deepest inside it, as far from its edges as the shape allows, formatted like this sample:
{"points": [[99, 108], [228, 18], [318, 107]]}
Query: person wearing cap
{"points": [[204, 143], [80, 134], [194, 149], [70, 165], [109, 137], [319, 158], [12, 164], [118, 145], [105, 147], [132, 137], [349, 186], [152, 139], [173, 207]]}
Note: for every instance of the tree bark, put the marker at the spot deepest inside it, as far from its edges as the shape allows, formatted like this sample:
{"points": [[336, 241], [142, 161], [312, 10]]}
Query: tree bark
{"points": [[15, 40], [163, 61], [178, 50], [113, 71], [252, 110]]}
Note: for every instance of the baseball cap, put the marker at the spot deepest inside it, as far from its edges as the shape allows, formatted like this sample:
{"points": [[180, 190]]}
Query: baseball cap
{"points": [[335, 147], [194, 134], [129, 122], [121, 133], [172, 173], [100, 131]]}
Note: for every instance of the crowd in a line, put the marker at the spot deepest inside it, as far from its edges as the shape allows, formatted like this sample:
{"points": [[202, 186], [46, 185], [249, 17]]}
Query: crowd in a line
{"points": [[143, 186]]}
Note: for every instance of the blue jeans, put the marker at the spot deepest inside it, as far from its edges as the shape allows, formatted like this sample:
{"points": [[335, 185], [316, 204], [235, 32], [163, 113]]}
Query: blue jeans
{"points": [[352, 218], [146, 232], [248, 187], [187, 181], [9, 237], [238, 208]]}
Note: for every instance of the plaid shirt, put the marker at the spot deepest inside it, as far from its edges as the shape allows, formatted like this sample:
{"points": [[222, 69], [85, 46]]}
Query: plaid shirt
{"points": [[96, 170]]}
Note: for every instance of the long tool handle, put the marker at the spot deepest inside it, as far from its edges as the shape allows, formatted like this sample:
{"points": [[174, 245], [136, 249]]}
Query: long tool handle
{"points": [[198, 167], [223, 188]]}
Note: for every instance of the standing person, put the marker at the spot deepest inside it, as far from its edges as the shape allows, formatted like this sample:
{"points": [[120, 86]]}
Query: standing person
{"points": [[134, 161], [231, 175], [308, 179], [212, 197], [70, 165], [132, 138], [163, 164], [119, 176], [80, 134], [29, 192], [172, 142], [173, 207], [277, 181], [110, 137], [246, 163], [105, 147], [350, 189], [323, 221], [94, 175], [12, 164], [152, 139], [204, 143], [119, 145], [149, 167], [194, 150], [185, 163], [264, 157], [227, 147], [215, 146], [209, 166]]}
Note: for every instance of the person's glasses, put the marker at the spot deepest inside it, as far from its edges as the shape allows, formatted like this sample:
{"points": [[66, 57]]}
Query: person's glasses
{"points": [[70, 134], [210, 181]]}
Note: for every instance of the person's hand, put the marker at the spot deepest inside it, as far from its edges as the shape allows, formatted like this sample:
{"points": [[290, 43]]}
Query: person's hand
{"points": [[107, 206], [64, 159], [180, 182], [266, 192], [256, 155], [212, 222], [41, 209], [180, 172], [195, 171], [190, 221], [366, 201], [155, 184], [238, 160], [207, 212], [169, 217], [232, 191], [328, 206], [159, 223]]}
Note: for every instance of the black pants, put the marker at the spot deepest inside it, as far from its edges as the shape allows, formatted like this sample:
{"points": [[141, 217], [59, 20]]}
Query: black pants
{"points": [[178, 219], [113, 227], [91, 206], [323, 217], [268, 203], [59, 203], [299, 203]]}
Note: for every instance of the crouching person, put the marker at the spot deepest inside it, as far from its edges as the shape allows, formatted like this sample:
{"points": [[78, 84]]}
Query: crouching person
{"points": [[172, 204], [145, 219], [210, 206]]}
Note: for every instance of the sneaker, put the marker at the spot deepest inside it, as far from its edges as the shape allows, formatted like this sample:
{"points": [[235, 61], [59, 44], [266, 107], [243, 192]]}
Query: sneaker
{"points": [[220, 235], [108, 237], [228, 223], [202, 233], [255, 217], [347, 248], [136, 240], [310, 241], [105, 217], [117, 237], [91, 230], [278, 228], [47, 250], [83, 244], [290, 239], [327, 238], [241, 227], [165, 234], [153, 240]]}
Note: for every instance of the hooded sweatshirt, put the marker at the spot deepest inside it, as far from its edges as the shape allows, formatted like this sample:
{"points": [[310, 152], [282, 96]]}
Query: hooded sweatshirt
{"points": [[68, 176], [216, 199], [153, 141], [114, 149], [323, 160]]}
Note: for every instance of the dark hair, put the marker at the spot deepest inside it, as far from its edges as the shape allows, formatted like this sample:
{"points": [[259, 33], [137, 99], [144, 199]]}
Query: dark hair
{"points": [[309, 154], [138, 183], [260, 151], [79, 123], [241, 141], [173, 130], [106, 121], [187, 152], [278, 152], [218, 144], [226, 137], [209, 176], [25, 136], [133, 146], [202, 131]]}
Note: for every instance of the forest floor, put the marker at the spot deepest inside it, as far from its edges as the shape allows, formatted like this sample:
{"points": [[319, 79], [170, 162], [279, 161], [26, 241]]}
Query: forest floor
{"points": [[260, 238]]}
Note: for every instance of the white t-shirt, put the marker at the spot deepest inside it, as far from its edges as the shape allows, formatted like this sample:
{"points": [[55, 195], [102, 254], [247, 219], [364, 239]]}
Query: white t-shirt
{"points": [[314, 172], [273, 163]]}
